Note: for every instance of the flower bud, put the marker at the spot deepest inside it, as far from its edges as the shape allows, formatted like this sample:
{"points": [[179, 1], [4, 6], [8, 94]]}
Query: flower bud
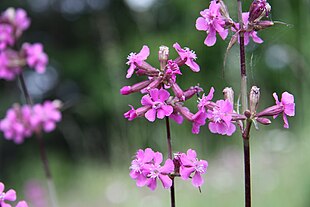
{"points": [[258, 10], [134, 88], [254, 98], [228, 93], [263, 121], [163, 55], [178, 92], [192, 91], [263, 25]]}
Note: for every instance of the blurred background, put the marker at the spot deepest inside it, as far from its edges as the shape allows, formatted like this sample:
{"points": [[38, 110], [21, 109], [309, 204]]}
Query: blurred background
{"points": [[88, 42]]}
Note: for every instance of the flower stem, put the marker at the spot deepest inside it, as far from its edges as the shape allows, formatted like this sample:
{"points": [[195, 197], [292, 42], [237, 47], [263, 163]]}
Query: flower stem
{"points": [[244, 107], [48, 175], [172, 193]]}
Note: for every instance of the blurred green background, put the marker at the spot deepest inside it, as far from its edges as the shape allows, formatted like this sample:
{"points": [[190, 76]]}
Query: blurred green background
{"points": [[88, 42]]}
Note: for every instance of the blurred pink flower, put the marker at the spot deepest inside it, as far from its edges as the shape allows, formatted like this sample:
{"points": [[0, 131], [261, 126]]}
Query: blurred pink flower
{"points": [[35, 56], [22, 204], [6, 36], [7, 70], [135, 60], [17, 18], [212, 22], [36, 194], [45, 116], [16, 124]]}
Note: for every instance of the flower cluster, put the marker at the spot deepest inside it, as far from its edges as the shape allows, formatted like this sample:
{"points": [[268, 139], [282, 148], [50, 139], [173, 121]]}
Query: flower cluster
{"points": [[9, 196], [157, 101], [146, 168], [216, 19], [13, 22], [22, 121]]}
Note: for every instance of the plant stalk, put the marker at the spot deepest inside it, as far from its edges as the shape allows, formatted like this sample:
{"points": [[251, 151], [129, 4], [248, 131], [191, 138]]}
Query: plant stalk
{"points": [[43, 155], [172, 192], [244, 107]]}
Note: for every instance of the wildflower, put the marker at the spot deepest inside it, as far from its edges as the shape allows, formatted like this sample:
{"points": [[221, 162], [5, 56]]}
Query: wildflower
{"points": [[136, 60], [45, 116], [156, 100], [288, 105], [10, 195], [221, 118], [190, 164], [205, 101], [146, 168], [212, 22], [9, 65], [187, 57], [35, 56], [18, 19], [16, 125]]}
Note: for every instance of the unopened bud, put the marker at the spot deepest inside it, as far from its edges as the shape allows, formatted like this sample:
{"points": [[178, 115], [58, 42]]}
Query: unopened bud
{"points": [[228, 93], [58, 104], [247, 114], [254, 98], [178, 92], [263, 25], [192, 91], [163, 55], [263, 121], [258, 10]]}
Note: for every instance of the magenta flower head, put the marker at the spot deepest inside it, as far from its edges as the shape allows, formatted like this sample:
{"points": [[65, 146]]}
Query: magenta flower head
{"points": [[46, 115], [221, 118], [146, 168], [8, 70], [16, 125], [10, 195], [288, 105], [18, 19], [187, 57], [35, 56], [157, 105], [212, 22], [6, 36], [136, 60], [190, 164]]}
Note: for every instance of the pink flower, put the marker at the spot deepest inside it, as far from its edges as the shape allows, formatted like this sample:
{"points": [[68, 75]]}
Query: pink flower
{"points": [[8, 71], [45, 116], [288, 105], [158, 107], [205, 101], [172, 70], [146, 168], [6, 36], [16, 125], [212, 22], [221, 118], [10, 195], [131, 114], [35, 56], [161, 172], [187, 56], [190, 164], [248, 34], [135, 60], [18, 18]]}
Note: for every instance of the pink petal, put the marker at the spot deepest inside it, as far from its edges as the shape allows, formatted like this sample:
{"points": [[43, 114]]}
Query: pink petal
{"points": [[224, 34], [10, 195], [22, 204], [185, 172], [141, 180], [166, 181], [246, 38], [289, 109], [177, 118], [286, 125], [275, 96], [146, 100], [161, 114], [148, 155], [144, 53], [163, 94], [192, 64], [167, 109], [287, 98], [197, 180], [211, 38], [212, 127], [152, 183], [168, 167], [256, 38], [191, 154], [158, 158], [131, 70], [151, 115], [231, 129], [201, 24], [154, 93]]}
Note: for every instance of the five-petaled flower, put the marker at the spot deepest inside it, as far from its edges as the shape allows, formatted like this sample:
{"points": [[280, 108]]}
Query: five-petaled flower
{"points": [[10, 195], [136, 60], [288, 105], [187, 57]]}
